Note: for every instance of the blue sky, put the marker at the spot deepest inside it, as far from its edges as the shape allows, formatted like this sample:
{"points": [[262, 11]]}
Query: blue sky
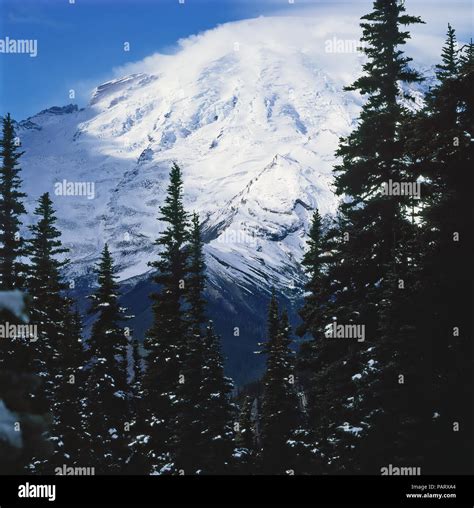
{"points": [[86, 39], [80, 43]]}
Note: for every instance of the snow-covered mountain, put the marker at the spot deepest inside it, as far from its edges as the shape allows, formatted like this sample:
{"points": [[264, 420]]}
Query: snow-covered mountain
{"points": [[251, 111]]}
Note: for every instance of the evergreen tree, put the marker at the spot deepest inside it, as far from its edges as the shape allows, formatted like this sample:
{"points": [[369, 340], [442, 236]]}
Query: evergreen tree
{"points": [[218, 412], [368, 245], [11, 243], [46, 288], [313, 261], [11, 208], [137, 382], [189, 443], [166, 339], [108, 401], [466, 58], [137, 460], [203, 426], [246, 436], [449, 56], [441, 151], [70, 397], [280, 413]]}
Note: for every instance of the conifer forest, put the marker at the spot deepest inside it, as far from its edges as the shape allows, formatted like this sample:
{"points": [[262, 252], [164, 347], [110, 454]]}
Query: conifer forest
{"points": [[247, 254]]}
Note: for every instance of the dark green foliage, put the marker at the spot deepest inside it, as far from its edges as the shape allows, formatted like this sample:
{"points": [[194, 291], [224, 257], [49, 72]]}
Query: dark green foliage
{"points": [[218, 413], [449, 56], [11, 208], [108, 398], [203, 424], [70, 398], [190, 425], [442, 153], [353, 385], [166, 339], [46, 288], [246, 435], [24, 428], [280, 414]]}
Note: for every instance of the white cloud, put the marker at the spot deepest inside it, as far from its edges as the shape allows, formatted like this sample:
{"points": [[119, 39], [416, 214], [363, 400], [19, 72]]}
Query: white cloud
{"points": [[307, 26]]}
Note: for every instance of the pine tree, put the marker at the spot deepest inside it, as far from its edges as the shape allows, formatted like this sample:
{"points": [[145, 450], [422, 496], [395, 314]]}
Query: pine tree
{"points": [[280, 413], [167, 337], [203, 441], [70, 397], [46, 288], [11, 243], [137, 460], [108, 402], [466, 57], [137, 382], [368, 244], [441, 152], [189, 445], [218, 411], [246, 437], [449, 56], [11, 208], [313, 261]]}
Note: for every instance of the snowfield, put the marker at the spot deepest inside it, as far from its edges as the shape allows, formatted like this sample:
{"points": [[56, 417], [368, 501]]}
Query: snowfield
{"points": [[252, 111]]}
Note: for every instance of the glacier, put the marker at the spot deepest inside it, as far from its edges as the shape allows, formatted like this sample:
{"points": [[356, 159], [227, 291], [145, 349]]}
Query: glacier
{"points": [[252, 111]]}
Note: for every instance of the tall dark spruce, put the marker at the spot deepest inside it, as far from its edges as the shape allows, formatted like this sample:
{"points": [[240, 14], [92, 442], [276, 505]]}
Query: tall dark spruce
{"points": [[56, 354], [190, 426], [108, 404], [218, 411], [71, 397], [280, 416], [166, 339], [442, 153], [12, 245], [12, 352], [367, 415], [46, 288]]}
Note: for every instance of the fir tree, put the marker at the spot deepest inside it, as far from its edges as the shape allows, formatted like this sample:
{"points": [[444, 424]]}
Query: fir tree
{"points": [[46, 288], [108, 401], [70, 397], [449, 56], [246, 436], [189, 443], [313, 260], [11, 243], [166, 339], [441, 151], [466, 57], [280, 414], [203, 426], [11, 208], [368, 246], [218, 412], [137, 460]]}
